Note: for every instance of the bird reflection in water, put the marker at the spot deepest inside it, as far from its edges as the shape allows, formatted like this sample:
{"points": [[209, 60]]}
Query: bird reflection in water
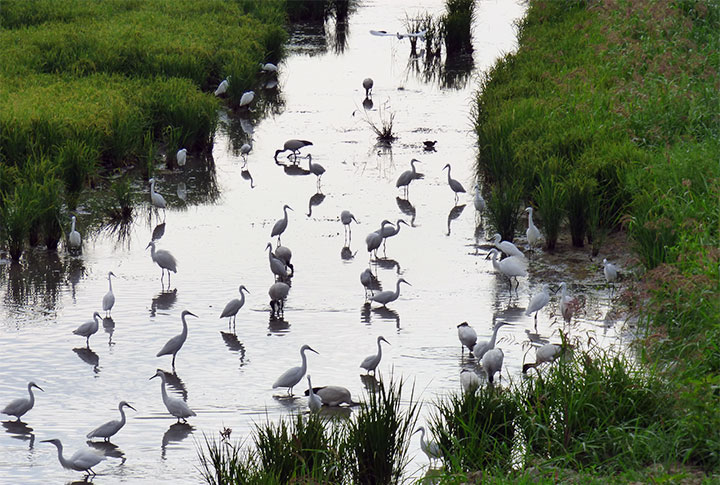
{"points": [[367, 104], [164, 300], [109, 326], [346, 254], [278, 325], [75, 272], [234, 344], [406, 208], [89, 357], [176, 432], [245, 174], [108, 449], [370, 382], [20, 431], [454, 214], [315, 201], [479, 236], [387, 263], [366, 313], [158, 231], [176, 384]]}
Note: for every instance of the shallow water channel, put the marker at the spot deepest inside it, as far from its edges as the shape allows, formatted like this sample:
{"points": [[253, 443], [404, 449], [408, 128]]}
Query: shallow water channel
{"points": [[217, 228]]}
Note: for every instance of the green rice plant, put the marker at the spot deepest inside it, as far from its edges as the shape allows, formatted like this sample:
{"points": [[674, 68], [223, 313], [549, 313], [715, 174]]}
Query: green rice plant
{"points": [[307, 10], [150, 152], [504, 208], [17, 211], [476, 430], [375, 447], [171, 137], [550, 198], [457, 26], [652, 232], [121, 208], [225, 463], [598, 228], [579, 191], [77, 163]]}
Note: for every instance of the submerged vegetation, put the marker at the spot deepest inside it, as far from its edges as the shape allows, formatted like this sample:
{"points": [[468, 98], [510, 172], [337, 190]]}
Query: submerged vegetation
{"points": [[88, 87]]}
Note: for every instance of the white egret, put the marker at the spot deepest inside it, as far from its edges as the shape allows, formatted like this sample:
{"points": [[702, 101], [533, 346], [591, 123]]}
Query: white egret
{"points": [[234, 305], [156, 199], [268, 67], [74, 237], [175, 406], [482, 348], [545, 353], [532, 233], [108, 300], [371, 362], [174, 345], [245, 149], [284, 254], [278, 293], [568, 304], [293, 146], [492, 362], [610, 271], [512, 267], [316, 169], [454, 184], [293, 375], [164, 259], [314, 401], [408, 176], [105, 431], [346, 217], [385, 297], [369, 282], [181, 157], [81, 461], [537, 302], [430, 448], [333, 396], [507, 247], [246, 98], [375, 239], [281, 224], [478, 200], [390, 231], [18, 407], [222, 88], [469, 380], [368, 85], [277, 266], [88, 328], [467, 336]]}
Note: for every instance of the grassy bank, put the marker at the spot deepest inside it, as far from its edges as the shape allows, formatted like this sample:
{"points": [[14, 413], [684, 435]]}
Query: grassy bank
{"points": [[607, 118], [90, 86]]}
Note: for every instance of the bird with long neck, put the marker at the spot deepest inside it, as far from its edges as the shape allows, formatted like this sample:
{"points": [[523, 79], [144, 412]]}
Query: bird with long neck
{"points": [[481, 348], [371, 362], [532, 233], [81, 460], [293, 375], [109, 299], [388, 296], [174, 345], [110, 428], [176, 407], [20, 406], [454, 184]]}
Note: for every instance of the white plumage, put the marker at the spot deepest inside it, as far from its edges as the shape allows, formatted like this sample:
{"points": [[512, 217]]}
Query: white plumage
{"points": [[467, 336], [545, 353], [430, 448], [469, 380], [156, 199], [492, 362], [181, 157], [164, 259], [88, 328], [173, 346], [222, 88], [537, 302], [507, 247], [74, 237], [110, 428], [512, 267], [18, 407], [293, 375], [532, 233], [109, 298], [81, 461], [234, 305], [482, 347], [371, 362], [175, 406], [610, 271], [247, 98], [314, 401]]}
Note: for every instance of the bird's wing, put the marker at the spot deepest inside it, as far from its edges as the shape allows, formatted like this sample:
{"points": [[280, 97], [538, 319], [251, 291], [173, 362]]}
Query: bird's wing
{"points": [[170, 346], [231, 308], [85, 459], [14, 406], [84, 328], [417, 34], [285, 377]]}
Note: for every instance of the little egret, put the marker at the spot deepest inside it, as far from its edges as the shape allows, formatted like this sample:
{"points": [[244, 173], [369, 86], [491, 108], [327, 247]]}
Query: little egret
{"points": [[277, 266], [268, 67], [246, 98], [507, 247], [375, 239], [482, 348], [610, 271], [292, 376], [512, 267], [314, 401], [492, 362], [346, 217], [234, 306], [430, 448], [454, 184], [164, 259], [469, 380], [245, 149], [429, 145], [532, 233], [316, 169], [368, 85], [181, 157], [88, 328], [467, 336], [222, 88], [388, 296], [278, 293], [568, 304], [537, 302], [293, 146], [390, 231], [81, 461], [156, 199], [369, 282], [284, 254], [478, 200], [281, 224], [546, 353], [105, 431], [74, 237], [371, 362], [333, 396], [109, 298], [175, 406], [408, 176], [174, 345], [20, 406]]}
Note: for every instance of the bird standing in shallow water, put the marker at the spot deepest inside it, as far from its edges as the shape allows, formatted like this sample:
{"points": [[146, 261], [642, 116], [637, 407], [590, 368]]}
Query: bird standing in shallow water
{"points": [[454, 184], [293, 375], [371, 362], [233, 306], [610, 271], [81, 461], [546, 353], [512, 267], [469, 380], [173, 346], [88, 328], [74, 237], [388, 296], [532, 233], [278, 293], [368, 85], [478, 200], [18, 407], [492, 362], [176, 407], [107, 430], [314, 401], [481, 348], [156, 199], [346, 217], [538, 302], [467, 336], [430, 448], [181, 157], [109, 299], [280, 224], [507, 247], [408, 176], [164, 259], [294, 147]]}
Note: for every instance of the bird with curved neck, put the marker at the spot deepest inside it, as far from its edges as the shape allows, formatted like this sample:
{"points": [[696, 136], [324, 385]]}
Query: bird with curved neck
{"points": [[314, 401], [408, 176], [507, 247], [176, 407], [481, 348], [375, 239], [20, 406], [388, 296], [173, 346], [81, 460], [280, 224], [109, 299], [233, 306], [293, 375], [74, 237], [430, 448], [89, 328], [107, 430], [156, 199], [371, 362], [164, 259], [512, 266], [277, 266], [454, 184], [532, 233]]}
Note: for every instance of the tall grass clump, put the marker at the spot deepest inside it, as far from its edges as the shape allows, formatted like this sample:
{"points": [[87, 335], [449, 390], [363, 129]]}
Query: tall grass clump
{"points": [[77, 164], [550, 198], [383, 129], [17, 211], [579, 192], [375, 448], [504, 208], [121, 205], [457, 26], [476, 430]]}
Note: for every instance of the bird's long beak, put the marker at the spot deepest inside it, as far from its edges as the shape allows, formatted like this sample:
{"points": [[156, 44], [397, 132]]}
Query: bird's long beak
{"points": [[45, 441], [191, 313], [43, 390], [127, 405], [153, 377], [310, 348], [383, 339], [149, 244]]}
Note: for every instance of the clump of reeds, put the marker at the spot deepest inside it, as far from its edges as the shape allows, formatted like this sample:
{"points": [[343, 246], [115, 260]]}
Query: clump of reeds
{"points": [[457, 26], [550, 200], [579, 191], [384, 127], [17, 210], [77, 164], [121, 207], [504, 208]]}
